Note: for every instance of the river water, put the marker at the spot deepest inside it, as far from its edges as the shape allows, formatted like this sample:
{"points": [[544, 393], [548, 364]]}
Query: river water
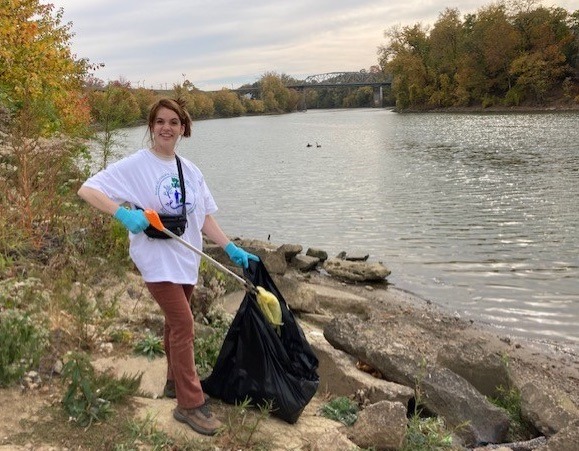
{"points": [[478, 213]]}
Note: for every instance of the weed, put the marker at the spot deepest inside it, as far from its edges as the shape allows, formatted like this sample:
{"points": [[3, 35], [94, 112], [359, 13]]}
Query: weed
{"points": [[341, 409], [241, 425], [89, 396], [23, 342], [150, 346], [509, 399], [217, 281], [426, 434], [208, 347]]}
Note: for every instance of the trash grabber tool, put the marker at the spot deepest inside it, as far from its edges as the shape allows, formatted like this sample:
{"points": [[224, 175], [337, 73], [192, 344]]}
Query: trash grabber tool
{"points": [[155, 221]]}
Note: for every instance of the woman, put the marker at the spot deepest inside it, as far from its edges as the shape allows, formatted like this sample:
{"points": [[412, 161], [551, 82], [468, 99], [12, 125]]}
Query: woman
{"points": [[151, 178]]}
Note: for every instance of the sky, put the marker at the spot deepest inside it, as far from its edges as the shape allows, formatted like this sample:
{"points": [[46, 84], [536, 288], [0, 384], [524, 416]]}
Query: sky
{"points": [[226, 43]]}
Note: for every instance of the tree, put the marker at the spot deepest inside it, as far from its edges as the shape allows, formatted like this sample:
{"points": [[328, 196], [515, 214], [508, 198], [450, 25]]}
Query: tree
{"points": [[405, 57], [276, 97], [548, 48], [506, 53], [227, 103], [41, 88], [39, 77], [113, 108], [493, 43], [202, 105], [446, 46]]}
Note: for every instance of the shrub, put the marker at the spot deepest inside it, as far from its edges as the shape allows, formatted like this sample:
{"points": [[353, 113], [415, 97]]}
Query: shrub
{"points": [[207, 347], [509, 399], [241, 426], [341, 409], [89, 396], [22, 343], [426, 434]]}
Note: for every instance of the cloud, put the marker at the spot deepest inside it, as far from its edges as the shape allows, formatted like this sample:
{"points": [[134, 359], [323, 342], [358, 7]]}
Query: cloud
{"points": [[218, 43]]}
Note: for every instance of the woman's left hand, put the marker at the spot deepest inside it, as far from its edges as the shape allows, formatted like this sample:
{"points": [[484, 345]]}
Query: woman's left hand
{"points": [[239, 256]]}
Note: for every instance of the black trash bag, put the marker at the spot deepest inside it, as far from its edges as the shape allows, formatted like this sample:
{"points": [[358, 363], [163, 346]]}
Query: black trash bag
{"points": [[257, 363]]}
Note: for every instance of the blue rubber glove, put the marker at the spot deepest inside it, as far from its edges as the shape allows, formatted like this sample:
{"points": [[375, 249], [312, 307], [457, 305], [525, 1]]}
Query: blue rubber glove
{"points": [[134, 220], [239, 256]]}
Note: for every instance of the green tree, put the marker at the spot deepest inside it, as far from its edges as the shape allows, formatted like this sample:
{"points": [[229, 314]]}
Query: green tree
{"points": [[493, 44], [548, 46], [360, 97], [202, 105], [113, 108], [406, 59], [446, 47], [507, 52], [145, 98], [276, 97], [253, 106], [227, 103]]}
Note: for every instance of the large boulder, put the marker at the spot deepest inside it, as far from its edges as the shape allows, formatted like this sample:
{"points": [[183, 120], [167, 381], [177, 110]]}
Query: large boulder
{"points": [[444, 393], [550, 410], [356, 271], [380, 426]]}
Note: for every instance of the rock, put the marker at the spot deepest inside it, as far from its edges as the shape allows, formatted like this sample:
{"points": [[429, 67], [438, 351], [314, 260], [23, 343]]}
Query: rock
{"points": [[339, 301], [527, 445], [380, 426], [357, 257], [317, 253], [274, 261], [567, 439], [445, 393], [298, 296], [339, 375], [356, 271], [485, 371], [305, 263], [332, 441], [290, 250], [548, 409]]}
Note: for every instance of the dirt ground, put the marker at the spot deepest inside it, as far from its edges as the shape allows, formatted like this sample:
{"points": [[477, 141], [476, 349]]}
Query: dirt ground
{"points": [[557, 363]]}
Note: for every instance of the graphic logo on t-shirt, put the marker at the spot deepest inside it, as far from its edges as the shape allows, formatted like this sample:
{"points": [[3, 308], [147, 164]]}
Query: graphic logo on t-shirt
{"points": [[169, 194]]}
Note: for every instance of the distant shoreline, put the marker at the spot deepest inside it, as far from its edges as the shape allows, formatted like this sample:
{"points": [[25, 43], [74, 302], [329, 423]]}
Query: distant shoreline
{"points": [[552, 108]]}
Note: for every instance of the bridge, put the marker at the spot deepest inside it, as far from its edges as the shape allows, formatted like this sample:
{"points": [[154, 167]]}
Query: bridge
{"points": [[336, 80]]}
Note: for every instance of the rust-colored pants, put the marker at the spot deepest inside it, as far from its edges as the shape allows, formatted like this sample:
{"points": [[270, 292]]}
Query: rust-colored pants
{"points": [[179, 335]]}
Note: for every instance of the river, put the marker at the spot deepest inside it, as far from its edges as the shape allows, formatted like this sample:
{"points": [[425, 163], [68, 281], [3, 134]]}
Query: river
{"points": [[478, 213]]}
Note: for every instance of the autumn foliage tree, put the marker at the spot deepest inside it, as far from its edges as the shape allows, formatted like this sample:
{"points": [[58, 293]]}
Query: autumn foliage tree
{"points": [[41, 93], [509, 53]]}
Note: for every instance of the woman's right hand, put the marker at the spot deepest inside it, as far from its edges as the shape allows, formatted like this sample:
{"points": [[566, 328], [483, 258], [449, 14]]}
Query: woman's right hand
{"points": [[133, 220]]}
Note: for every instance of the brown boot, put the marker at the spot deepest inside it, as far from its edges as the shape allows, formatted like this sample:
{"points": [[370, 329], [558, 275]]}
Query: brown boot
{"points": [[200, 419], [169, 390]]}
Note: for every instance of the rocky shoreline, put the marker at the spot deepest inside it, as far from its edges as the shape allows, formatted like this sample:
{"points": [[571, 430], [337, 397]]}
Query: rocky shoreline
{"points": [[354, 316], [384, 348]]}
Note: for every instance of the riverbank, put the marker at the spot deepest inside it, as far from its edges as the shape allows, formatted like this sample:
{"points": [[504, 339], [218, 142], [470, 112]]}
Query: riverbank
{"points": [[320, 303], [555, 107]]}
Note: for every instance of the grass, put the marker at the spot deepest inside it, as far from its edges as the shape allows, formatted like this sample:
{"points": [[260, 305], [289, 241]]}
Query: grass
{"points": [[426, 434], [241, 426], [341, 409], [509, 399]]}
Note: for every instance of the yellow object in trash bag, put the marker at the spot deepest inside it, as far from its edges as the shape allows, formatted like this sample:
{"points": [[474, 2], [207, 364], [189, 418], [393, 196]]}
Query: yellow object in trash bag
{"points": [[270, 308]]}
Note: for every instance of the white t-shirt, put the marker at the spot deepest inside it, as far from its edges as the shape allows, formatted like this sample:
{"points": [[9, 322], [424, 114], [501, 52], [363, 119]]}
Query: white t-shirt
{"points": [[145, 180]]}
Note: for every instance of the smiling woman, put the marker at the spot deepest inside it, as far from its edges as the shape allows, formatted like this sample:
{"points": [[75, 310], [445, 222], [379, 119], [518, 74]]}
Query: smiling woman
{"points": [[156, 178]]}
